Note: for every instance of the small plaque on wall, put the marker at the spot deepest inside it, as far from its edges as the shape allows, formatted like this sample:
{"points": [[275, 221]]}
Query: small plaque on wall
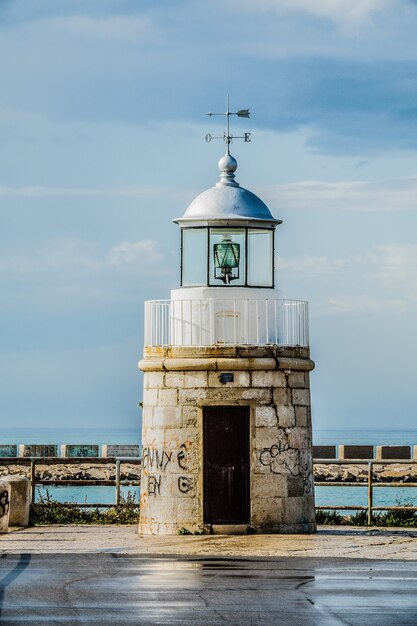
{"points": [[226, 377]]}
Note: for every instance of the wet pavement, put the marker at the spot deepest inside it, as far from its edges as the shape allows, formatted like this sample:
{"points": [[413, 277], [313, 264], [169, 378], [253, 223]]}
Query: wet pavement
{"points": [[113, 588]]}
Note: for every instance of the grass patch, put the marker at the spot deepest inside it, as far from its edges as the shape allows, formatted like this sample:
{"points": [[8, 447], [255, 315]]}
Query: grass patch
{"points": [[49, 511], [402, 517], [328, 518]]}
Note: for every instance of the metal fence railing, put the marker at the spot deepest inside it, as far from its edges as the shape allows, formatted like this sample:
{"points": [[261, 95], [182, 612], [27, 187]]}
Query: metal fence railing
{"points": [[370, 483], [226, 322], [32, 464]]}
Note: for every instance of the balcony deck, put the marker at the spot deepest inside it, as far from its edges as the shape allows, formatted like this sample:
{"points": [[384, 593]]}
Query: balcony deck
{"points": [[226, 322]]}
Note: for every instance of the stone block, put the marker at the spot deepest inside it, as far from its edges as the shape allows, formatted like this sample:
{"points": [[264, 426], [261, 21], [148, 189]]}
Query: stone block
{"points": [[302, 416], [191, 397], [167, 397], [268, 379], [120, 450], [286, 415], [269, 486], [189, 415], [356, 452], [282, 395], [150, 397], [153, 380], [4, 506], [240, 379], [393, 452], [195, 380], [297, 510], [415, 453], [7, 450], [262, 396], [19, 499], [297, 380], [324, 452], [81, 450], [265, 438], [266, 511], [301, 397], [265, 416], [167, 416], [174, 379], [295, 486], [299, 438]]}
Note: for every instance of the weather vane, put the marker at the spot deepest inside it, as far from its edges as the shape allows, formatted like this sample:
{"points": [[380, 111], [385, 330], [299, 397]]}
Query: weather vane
{"points": [[227, 137]]}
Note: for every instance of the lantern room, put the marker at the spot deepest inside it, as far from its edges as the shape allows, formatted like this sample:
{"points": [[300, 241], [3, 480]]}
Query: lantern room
{"points": [[227, 236]]}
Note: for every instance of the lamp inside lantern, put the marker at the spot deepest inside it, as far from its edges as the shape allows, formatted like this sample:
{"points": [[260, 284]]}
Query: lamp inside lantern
{"points": [[226, 259]]}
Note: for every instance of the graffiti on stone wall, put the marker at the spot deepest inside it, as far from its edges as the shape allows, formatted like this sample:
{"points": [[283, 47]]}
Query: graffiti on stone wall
{"points": [[154, 485], [281, 458], [185, 484], [182, 457], [4, 503], [153, 458]]}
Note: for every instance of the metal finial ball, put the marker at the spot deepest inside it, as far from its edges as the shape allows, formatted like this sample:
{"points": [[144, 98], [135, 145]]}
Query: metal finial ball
{"points": [[227, 163]]}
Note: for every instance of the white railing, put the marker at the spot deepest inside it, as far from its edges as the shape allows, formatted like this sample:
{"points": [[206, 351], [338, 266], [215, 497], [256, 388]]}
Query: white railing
{"points": [[226, 322]]}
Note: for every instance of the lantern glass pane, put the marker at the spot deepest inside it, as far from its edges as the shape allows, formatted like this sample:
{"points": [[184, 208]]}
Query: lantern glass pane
{"points": [[227, 256], [260, 257], [194, 257]]}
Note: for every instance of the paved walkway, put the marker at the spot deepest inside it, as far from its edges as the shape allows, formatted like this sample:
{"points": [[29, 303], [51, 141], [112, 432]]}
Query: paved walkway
{"points": [[327, 542]]}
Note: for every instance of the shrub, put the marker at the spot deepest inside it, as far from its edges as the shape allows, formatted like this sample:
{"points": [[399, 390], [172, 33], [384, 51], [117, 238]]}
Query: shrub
{"points": [[49, 511], [328, 518]]}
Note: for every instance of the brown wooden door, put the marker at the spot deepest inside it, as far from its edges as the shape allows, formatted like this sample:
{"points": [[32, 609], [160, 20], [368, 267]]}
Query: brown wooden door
{"points": [[226, 465]]}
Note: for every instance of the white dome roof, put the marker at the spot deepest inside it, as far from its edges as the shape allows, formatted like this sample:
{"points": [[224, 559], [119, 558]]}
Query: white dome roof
{"points": [[227, 201]]}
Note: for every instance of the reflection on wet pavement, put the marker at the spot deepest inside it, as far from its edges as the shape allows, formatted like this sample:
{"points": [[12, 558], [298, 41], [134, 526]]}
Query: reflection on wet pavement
{"points": [[127, 589]]}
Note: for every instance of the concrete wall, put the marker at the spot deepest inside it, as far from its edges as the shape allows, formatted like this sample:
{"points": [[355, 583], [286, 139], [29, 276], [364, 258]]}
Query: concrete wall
{"points": [[274, 383]]}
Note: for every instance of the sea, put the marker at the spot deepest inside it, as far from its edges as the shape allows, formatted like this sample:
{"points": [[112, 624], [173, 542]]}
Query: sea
{"points": [[335, 496]]}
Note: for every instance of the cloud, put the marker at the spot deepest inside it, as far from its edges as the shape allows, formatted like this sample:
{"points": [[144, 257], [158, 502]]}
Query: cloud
{"points": [[139, 253], [337, 10], [380, 280], [138, 191], [66, 256], [390, 196], [360, 304]]}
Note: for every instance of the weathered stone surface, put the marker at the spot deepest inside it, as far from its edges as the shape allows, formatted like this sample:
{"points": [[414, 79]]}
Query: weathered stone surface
{"points": [[4, 506], [286, 415], [167, 416], [281, 395], [19, 499], [297, 379], [266, 416], [281, 460], [195, 380], [268, 379], [302, 416], [174, 379], [240, 379], [301, 397], [153, 380], [167, 397], [189, 415]]}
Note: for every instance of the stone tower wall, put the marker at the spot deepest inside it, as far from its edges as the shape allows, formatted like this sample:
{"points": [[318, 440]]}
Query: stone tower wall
{"points": [[274, 383]]}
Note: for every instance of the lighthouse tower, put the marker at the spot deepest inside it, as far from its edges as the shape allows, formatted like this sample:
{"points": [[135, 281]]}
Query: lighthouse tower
{"points": [[226, 403]]}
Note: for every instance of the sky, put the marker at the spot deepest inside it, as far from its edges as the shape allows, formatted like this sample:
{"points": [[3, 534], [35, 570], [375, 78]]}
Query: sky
{"points": [[102, 125]]}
